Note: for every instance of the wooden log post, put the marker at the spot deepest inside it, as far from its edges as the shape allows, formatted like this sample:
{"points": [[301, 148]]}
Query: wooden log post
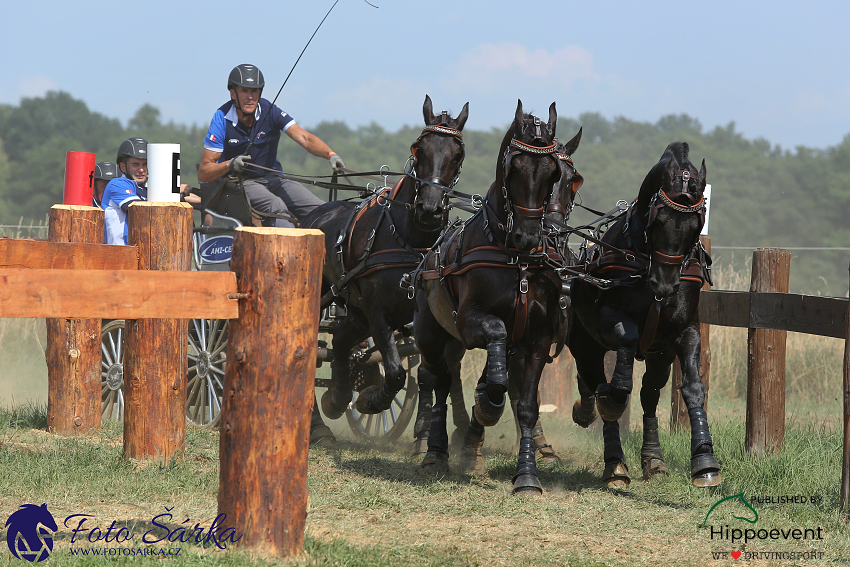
{"points": [[557, 383], [765, 430], [73, 345], [845, 463], [269, 387], [678, 410], [155, 356]]}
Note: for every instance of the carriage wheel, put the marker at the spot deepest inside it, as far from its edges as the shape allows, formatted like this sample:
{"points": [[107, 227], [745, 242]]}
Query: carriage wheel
{"points": [[112, 371], [207, 356], [391, 423]]}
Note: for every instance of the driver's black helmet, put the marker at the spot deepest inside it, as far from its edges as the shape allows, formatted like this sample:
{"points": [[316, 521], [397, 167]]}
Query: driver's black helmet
{"points": [[106, 170], [133, 147], [246, 76]]}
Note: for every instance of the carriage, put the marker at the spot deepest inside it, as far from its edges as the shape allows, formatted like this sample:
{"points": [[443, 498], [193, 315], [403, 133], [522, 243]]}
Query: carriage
{"points": [[212, 244]]}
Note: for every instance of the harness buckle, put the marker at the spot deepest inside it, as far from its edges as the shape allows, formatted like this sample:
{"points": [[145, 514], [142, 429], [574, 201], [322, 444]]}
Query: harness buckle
{"points": [[477, 201], [523, 286]]}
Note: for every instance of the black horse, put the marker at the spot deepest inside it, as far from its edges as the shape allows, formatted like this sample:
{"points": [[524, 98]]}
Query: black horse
{"points": [[654, 266], [491, 284], [556, 234], [370, 246]]}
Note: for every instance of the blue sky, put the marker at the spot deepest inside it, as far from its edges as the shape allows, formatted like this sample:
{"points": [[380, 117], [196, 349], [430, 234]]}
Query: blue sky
{"points": [[777, 69]]}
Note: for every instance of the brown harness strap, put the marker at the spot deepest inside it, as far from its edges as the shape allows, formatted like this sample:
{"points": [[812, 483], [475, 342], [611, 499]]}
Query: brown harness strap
{"points": [[651, 327]]}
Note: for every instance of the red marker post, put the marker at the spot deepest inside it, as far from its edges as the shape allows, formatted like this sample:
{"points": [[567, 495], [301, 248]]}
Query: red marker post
{"points": [[79, 179]]}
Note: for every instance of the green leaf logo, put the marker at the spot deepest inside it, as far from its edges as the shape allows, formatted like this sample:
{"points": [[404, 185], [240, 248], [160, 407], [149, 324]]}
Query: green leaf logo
{"points": [[743, 500]]}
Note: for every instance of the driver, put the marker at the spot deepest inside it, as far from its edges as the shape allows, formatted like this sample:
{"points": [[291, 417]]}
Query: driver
{"points": [[104, 172], [132, 160], [248, 120]]}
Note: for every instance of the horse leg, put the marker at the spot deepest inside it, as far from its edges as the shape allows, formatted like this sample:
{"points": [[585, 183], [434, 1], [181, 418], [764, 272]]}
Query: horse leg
{"points": [[543, 451], [422, 424], [616, 474], [376, 399], [436, 460], [471, 459], [590, 371], [705, 470], [612, 398], [656, 376], [336, 399], [432, 341], [525, 480], [460, 416], [320, 434], [487, 330]]}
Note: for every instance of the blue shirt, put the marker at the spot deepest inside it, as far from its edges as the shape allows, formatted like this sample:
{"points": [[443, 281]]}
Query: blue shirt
{"points": [[117, 192], [228, 137]]}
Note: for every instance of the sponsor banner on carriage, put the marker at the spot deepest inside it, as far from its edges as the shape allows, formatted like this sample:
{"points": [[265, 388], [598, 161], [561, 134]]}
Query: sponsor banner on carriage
{"points": [[733, 521], [30, 534], [216, 249]]}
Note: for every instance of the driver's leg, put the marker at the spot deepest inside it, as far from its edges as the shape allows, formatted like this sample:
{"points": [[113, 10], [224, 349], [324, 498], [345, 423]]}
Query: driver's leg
{"points": [[263, 199], [299, 200]]}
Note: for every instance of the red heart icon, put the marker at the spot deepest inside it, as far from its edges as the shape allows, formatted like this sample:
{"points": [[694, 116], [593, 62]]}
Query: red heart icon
{"points": [[735, 554]]}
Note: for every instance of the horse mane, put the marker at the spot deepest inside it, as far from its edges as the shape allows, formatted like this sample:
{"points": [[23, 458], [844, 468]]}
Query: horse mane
{"points": [[500, 158]]}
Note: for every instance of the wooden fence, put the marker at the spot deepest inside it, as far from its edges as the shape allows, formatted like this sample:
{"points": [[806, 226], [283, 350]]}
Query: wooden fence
{"points": [[271, 296]]}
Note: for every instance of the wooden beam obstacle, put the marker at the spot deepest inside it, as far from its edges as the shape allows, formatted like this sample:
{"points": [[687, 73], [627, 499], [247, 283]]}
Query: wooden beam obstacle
{"points": [[272, 296]]}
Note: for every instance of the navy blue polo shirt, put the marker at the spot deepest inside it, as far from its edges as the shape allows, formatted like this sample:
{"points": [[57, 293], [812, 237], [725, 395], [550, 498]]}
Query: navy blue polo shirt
{"points": [[228, 137]]}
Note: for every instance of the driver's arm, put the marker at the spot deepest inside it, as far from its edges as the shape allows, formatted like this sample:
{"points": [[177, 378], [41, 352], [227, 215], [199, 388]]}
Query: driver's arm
{"points": [[210, 169]]}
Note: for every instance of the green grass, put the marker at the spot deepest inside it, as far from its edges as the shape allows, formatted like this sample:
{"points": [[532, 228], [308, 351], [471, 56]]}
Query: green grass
{"points": [[371, 504]]}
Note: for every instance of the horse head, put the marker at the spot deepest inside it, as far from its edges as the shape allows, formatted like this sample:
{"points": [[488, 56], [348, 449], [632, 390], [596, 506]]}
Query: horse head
{"points": [[527, 176], [675, 215], [564, 191], [437, 157]]}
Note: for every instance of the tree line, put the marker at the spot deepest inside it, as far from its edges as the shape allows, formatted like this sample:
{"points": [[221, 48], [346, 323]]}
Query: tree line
{"points": [[762, 194]]}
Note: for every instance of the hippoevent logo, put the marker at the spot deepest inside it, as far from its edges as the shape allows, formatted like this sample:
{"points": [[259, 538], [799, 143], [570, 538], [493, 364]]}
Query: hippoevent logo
{"points": [[29, 533], [747, 534]]}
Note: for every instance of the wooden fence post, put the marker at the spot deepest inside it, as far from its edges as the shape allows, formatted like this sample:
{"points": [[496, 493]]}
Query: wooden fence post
{"points": [[845, 466], [557, 383], [155, 356], [766, 358], [73, 345], [269, 387], [679, 411]]}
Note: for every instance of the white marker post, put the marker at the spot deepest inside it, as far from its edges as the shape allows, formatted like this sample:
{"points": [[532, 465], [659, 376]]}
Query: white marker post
{"points": [[164, 173], [707, 195]]}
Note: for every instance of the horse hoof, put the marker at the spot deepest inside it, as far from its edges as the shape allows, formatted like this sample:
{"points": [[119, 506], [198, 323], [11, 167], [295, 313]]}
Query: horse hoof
{"points": [[653, 467], [581, 417], [420, 445], [335, 403], [435, 465], [705, 470], [608, 407], [369, 401], [472, 465], [486, 412], [706, 480], [616, 476], [322, 436], [527, 485], [547, 457]]}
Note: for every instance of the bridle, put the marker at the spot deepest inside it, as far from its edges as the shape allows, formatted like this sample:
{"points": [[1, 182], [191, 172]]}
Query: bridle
{"points": [[441, 129], [516, 148], [662, 200]]}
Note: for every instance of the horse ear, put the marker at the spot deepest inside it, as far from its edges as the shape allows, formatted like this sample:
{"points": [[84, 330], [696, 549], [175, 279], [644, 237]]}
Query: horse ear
{"points": [[428, 110], [702, 174], [553, 119], [571, 146], [461, 118], [519, 115]]}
